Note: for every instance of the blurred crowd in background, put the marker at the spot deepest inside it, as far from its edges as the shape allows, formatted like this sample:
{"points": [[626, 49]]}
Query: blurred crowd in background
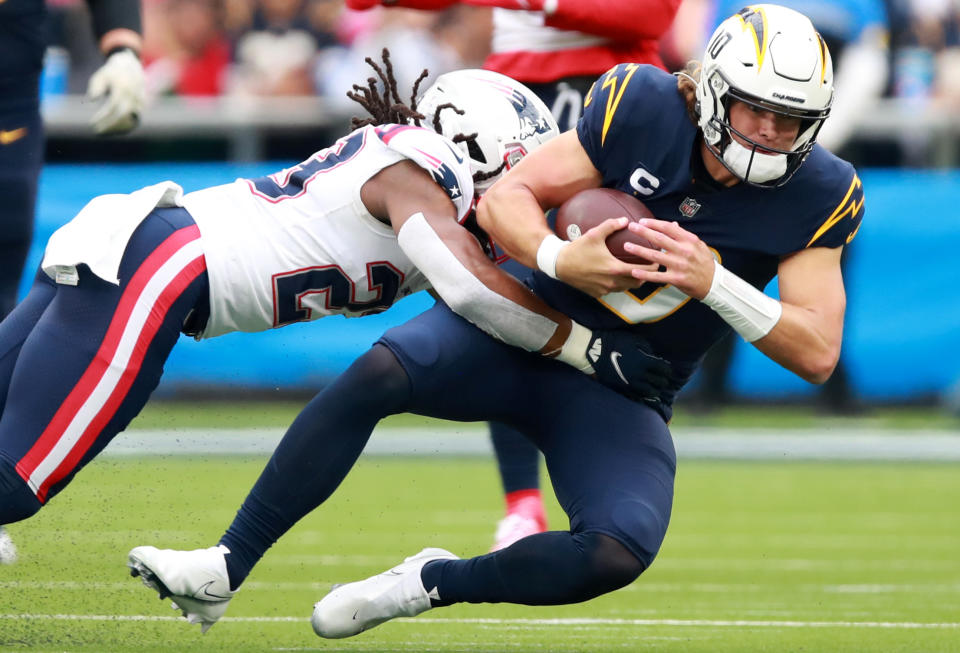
{"points": [[271, 47], [317, 47]]}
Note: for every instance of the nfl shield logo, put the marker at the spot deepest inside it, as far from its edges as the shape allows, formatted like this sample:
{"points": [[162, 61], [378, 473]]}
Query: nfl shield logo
{"points": [[689, 207]]}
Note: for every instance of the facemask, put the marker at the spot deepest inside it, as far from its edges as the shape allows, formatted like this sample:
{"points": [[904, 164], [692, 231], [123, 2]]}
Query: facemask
{"points": [[765, 167]]}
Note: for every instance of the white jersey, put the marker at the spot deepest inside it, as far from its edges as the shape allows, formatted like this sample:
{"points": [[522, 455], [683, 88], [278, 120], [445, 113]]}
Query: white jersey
{"points": [[299, 244], [294, 246]]}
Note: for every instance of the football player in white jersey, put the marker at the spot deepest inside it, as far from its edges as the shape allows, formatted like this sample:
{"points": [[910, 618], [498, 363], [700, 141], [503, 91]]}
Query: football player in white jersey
{"points": [[356, 226]]}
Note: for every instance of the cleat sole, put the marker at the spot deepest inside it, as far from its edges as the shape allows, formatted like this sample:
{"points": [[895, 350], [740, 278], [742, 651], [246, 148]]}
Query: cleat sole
{"points": [[195, 610], [149, 579]]}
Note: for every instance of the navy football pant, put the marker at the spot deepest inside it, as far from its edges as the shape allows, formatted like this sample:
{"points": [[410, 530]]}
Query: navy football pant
{"points": [[77, 363], [21, 156], [518, 459], [611, 460]]}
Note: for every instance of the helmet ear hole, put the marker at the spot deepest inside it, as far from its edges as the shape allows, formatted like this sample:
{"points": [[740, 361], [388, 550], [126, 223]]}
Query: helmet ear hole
{"points": [[473, 149]]}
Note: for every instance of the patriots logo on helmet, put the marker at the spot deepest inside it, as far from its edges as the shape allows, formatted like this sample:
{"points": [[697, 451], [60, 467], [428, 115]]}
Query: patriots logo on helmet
{"points": [[531, 120]]}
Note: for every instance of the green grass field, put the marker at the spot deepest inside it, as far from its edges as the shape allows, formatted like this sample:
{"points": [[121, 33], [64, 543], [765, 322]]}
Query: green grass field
{"points": [[764, 556], [227, 414]]}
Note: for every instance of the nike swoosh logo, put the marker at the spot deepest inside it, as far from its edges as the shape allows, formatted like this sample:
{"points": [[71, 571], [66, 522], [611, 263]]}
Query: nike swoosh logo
{"points": [[615, 361], [455, 153], [10, 136], [203, 594]]}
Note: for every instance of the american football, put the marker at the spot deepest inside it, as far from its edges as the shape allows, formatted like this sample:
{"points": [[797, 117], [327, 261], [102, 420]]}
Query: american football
{"points": [[590, 207]]}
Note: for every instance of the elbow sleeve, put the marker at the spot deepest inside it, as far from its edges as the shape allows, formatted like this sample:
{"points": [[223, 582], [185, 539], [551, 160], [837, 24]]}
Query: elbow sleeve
{"points": [[467, 295]]}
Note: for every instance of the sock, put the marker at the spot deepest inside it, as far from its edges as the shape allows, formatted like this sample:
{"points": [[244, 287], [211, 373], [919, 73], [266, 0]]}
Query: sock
{"points": [[314, 456], [254, 530], [546, 569], [527, 503]]}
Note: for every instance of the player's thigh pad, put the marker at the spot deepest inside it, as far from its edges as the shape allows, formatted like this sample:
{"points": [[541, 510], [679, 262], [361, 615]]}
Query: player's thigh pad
{"points": [[17, 326], [456, 370], [612, 463], [611, 460]]}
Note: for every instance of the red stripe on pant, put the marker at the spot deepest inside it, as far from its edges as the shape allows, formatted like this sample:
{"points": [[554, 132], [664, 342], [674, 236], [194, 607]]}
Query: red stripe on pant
{"points": [[101, 361]]}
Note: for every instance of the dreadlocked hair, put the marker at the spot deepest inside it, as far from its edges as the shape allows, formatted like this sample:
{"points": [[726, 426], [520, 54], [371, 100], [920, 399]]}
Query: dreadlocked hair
{"points": [[388, 108]]}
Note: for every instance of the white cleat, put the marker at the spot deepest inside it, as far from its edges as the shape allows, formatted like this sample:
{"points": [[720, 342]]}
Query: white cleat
{"points": [[514, 527], [196, 581], [8, 550], [353, 608]]}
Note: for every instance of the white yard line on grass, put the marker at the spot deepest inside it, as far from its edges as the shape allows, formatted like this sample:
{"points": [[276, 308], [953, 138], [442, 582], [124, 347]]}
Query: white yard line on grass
{"points": [[698, 623], [716, 588], [854, 444]]}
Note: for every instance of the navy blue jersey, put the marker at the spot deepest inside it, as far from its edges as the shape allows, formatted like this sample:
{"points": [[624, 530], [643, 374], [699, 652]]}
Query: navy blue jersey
{"points": [[636, 131]]}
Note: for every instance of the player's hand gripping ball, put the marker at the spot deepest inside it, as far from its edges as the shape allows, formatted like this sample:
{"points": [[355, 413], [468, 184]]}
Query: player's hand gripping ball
{"points": [[590, 207]]}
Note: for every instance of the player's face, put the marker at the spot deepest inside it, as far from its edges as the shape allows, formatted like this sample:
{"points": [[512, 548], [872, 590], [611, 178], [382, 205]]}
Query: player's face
{"points": [[764, 127]]}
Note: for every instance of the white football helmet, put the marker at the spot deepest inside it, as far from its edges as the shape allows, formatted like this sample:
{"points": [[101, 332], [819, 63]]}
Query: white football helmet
{"points": [[509, 120], [772, 58]]}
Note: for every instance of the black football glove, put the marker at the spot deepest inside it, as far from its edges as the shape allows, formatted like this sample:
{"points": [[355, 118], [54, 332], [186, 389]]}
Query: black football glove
{"points": [[626, 363]]}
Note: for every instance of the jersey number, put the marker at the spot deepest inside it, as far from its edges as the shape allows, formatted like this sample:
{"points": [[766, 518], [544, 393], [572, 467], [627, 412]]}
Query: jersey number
{"points": [[291, 291], [292, 182], [718, 43], [658, 304], [661, 302]]}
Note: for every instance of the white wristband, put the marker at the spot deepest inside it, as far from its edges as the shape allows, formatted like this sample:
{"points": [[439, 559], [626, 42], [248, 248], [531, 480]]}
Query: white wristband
{"points": [[574, 350], [749, 311], [548, 252]]}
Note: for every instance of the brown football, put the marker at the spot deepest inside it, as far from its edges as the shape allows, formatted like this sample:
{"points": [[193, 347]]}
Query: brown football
{"points": [[590, 207]]}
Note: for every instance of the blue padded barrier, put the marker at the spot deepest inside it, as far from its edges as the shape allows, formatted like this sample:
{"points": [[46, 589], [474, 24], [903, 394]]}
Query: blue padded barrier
{"points": [[903, 318]]}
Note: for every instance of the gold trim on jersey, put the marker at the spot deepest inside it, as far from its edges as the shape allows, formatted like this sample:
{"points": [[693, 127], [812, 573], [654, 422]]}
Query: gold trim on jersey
{"points": [[658, 305], [853, 234], [614, 96], [848, 206], [589, 97]]}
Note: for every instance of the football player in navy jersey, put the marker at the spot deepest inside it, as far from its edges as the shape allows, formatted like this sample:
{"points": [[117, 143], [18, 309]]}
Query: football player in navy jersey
{"points": [[557, 49], [23, 40], [725, 155]]}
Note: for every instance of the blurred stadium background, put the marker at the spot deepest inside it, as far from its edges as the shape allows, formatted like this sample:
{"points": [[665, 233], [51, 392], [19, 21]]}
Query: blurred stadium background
{"points": [[246, 87]]}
